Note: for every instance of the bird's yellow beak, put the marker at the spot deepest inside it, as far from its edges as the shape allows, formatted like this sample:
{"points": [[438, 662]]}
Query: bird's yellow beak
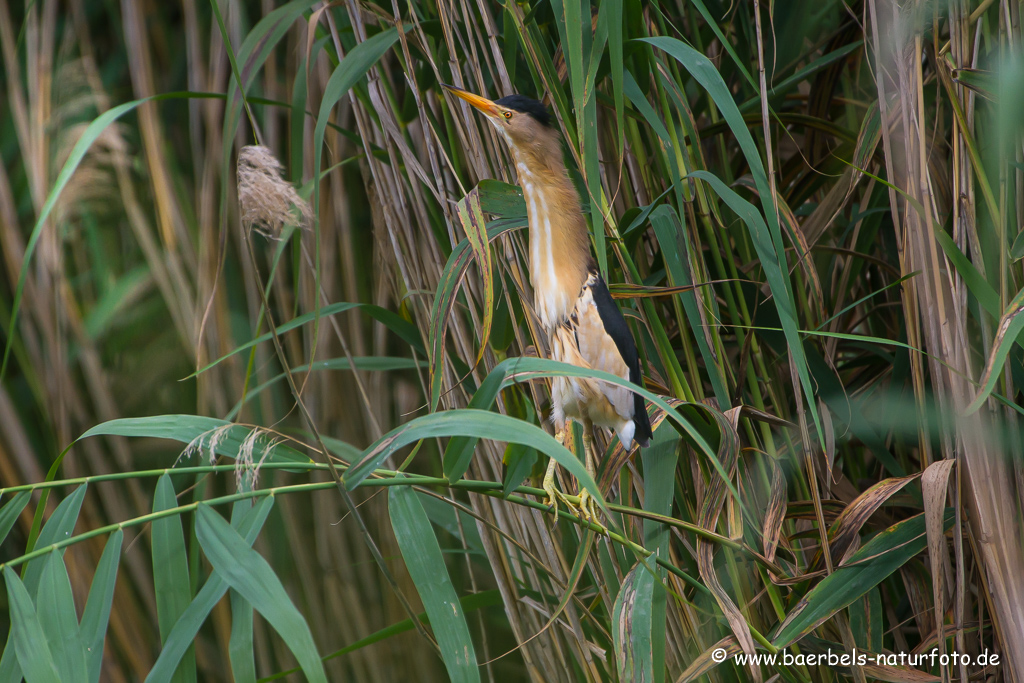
{"points": [[482, 103]]}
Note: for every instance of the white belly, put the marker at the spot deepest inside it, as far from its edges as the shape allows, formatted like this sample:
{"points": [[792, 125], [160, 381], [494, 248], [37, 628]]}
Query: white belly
{"points": [[585, 344]]}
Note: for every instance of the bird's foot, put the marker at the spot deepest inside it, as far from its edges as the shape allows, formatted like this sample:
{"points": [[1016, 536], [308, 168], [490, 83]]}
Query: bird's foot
{"points": [[554, 495], [588, 511], [585, 509]]}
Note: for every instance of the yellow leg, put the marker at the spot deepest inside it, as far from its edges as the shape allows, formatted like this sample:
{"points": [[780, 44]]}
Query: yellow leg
{"points": [[587, 509], [560, 434], [554, 495], [549, 486]]}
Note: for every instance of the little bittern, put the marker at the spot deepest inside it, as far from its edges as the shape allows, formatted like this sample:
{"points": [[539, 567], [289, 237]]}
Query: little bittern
{"points": [[583, 324]]}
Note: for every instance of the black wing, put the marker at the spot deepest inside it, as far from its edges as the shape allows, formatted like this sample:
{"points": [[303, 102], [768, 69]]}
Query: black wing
{"points": [[615, 326]]}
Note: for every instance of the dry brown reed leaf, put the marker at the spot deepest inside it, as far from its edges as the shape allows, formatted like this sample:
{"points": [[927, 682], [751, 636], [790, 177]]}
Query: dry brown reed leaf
{"points": [[934, 485], [265, 198], [844, 532], [707, 660], [775, 513], [710, 511]]}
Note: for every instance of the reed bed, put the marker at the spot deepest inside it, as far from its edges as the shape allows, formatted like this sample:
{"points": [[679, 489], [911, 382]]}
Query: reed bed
{"points": [[274, 403]]}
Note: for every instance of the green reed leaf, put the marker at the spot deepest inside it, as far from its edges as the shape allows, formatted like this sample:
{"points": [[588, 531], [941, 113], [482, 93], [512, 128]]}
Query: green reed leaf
{"points": [[405, 330], [91, 133], [425, 563], [96, 616], [170, 573], [187, 627], [10, 512], [877, 559], [247, 572], [223, 437], [471, 423], [767, 239], [632, 615], [1010, 327], [55, 607], [30, 644], [59, 527]]}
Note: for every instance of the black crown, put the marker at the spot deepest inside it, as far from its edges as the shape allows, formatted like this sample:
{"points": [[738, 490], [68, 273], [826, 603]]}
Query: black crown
{"points": [[526, 105]]}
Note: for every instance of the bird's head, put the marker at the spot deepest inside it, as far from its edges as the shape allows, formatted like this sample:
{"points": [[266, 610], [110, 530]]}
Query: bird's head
{"points": [[524, 123]]}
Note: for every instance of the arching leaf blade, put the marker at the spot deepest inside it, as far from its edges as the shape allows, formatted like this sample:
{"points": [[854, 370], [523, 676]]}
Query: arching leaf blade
{"points": [[471, 423], [1010, 326], [349, 71], [189, 428], [472, 218], [404, 329], [444, 300], [91, 133]]}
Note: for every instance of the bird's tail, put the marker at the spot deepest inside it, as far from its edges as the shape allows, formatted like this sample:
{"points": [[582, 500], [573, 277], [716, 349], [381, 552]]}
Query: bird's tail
{"points": [[642, 433]]}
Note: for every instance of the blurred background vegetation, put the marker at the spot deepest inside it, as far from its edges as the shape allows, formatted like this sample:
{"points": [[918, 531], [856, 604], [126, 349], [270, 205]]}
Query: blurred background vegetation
{"points": [[811, 214]]}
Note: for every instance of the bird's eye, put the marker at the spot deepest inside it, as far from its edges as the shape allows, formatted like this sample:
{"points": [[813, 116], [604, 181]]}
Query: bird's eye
{"points": [[508, 115]]}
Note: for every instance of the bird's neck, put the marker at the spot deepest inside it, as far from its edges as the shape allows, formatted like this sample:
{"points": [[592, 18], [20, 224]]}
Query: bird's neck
{"points": [[559, 241]]}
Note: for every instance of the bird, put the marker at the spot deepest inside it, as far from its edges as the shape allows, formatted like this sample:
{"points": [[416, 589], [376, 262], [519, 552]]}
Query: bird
{"points": [[583, 325]]}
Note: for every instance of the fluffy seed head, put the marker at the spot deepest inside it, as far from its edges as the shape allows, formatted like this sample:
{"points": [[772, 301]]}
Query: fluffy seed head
{"points": [[265, 198]]}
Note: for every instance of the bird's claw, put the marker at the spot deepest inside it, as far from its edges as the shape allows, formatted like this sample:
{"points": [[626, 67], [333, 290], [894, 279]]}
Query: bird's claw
{"points": [[584, 509], [554, 495], [587, 510]]}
